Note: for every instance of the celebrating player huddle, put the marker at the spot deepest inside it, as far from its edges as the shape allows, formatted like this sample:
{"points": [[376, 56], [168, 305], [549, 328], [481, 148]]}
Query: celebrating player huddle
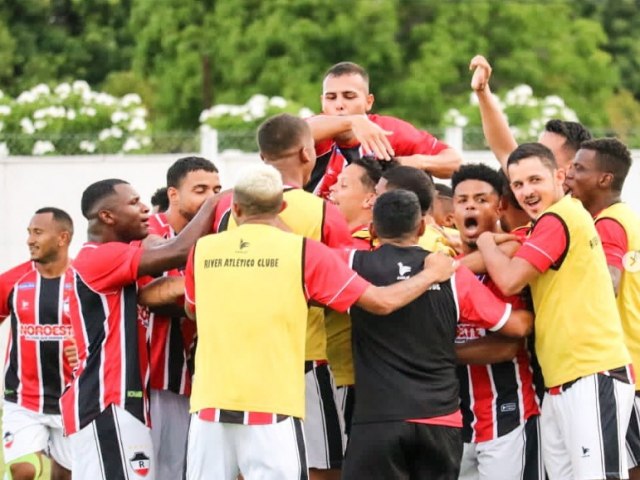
{"points": [[334, 316]]}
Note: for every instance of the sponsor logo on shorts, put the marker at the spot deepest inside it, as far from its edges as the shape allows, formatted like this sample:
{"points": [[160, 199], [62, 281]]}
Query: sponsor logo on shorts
{"points": [[8, 440], [45, 333], [26, 286], [140, 463], [631, 261]]}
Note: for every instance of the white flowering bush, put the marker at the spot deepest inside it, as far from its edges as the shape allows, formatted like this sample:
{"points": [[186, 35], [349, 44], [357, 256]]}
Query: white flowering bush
{"points": [[525, 113], [237, 124], [71, 119]]}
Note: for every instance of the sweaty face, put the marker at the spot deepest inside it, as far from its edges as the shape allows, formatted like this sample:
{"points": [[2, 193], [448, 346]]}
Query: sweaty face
{"points": [[475, 210], [131, 216], [535, 186], [349, 193], [555, 143], [44, 239], [194, 189], [583, 176], [346, 95]]}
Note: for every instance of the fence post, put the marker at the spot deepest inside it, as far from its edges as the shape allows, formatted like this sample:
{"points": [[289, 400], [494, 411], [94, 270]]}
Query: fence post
{"points": [[209, 143], [453, 136]]}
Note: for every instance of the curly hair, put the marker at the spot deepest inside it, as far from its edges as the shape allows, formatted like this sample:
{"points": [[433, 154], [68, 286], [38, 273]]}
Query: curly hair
{"points": [[612, 156]]}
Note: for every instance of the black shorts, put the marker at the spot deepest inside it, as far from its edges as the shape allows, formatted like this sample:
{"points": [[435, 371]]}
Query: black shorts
{"points": [[402, 450]]}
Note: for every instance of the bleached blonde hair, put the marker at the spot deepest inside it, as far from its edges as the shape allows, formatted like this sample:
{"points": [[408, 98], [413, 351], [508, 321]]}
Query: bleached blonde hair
{"points": [[258, 190]]}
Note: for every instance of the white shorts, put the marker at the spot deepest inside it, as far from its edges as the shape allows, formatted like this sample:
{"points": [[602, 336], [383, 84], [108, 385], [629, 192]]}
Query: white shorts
{"points": [[25, 432], [169, 431], [114, 446], [583, 429], [514, 456], [633, 434], [223, 450], [324, 428]]}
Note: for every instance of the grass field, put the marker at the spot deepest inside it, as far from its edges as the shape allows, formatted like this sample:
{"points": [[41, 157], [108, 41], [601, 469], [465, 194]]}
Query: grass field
{"points": [[46, 474]]}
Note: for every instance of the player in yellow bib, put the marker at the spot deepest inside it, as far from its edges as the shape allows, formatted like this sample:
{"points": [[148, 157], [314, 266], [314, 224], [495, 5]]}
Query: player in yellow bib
{"points": [[579, 339]]}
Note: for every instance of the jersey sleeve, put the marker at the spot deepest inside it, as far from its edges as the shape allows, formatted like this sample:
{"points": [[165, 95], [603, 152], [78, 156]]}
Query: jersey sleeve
{"points": [[477, 304], [335, 231], [328, 280], [189, 281], [109, 266], [8, 280], [407, 139], [547, 244], [614, 241]]}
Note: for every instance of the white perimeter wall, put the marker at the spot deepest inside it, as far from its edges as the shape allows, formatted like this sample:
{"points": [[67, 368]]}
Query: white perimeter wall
{"points": [[28, 183]]}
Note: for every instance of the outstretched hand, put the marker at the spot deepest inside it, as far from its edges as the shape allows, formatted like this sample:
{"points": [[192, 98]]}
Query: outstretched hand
{"points": [[481, 73], [372, 137], [441, 266]]}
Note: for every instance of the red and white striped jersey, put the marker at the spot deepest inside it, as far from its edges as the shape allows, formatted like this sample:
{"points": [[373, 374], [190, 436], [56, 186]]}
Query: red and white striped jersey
{"points": [[172, 338], [36, 370], [112, 341], [495, 398]]}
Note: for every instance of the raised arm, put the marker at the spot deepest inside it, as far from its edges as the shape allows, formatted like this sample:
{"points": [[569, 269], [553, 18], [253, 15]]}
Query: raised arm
{"points": [[494, 124], [441, 165], [372, 137]]}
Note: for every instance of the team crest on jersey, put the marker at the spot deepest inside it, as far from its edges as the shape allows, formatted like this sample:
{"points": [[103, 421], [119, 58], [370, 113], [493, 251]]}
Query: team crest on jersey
{"points": [[27, 286], [631, 261], [8, 440], [140, 463]]}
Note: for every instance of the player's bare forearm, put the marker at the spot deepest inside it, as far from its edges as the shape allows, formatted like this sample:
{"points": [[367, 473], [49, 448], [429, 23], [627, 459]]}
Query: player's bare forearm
{"points": [[162, 292], [510, 275], [442, 165], [495, 127], [475, 262], [324, 127], [487, 350], [519, 324]]}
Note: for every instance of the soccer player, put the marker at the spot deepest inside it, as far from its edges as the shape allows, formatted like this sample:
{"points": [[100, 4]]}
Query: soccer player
{"points": [[159, 200], [563, 138], [105, 409], [442, 208], [498, 398], [248, 392], [190, 181], [286, 143], [418, 182], [579, 338], [33, 296], [596, 178], [346, 130], [354, 194], [406, 422]]}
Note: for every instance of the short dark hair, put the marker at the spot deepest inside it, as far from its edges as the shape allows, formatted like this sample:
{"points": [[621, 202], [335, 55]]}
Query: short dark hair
{"points": [[613, 157], [396, 214], [96, 192], [347, 68], [281, 133], [477, 171], [60, 216], [527, 150], [507, 193], [183, 166], [443, 190], [372, 172], [574, 132], [160, 199], [414, 180]]}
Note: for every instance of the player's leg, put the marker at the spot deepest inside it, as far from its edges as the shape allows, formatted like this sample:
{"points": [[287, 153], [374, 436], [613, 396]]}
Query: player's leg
{"points": [[170, 417], [114, 446], [503, 458], [59, 450], [211, 450], [436, 452], [469, 462], [555, 455], [376, 451], [272, 451], [596, 410], [323, 426], [533, 465], [25, 437]]}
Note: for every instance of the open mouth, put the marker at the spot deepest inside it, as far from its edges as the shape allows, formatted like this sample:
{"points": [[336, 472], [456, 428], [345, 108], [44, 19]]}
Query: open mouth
{"points": [[470, 223]]}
